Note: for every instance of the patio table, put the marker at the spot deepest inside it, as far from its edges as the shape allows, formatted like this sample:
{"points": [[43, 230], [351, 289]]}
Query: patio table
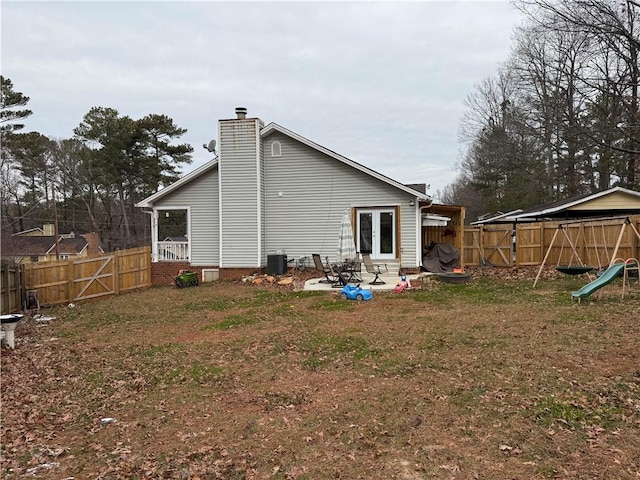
{"points": [[352, 269]]}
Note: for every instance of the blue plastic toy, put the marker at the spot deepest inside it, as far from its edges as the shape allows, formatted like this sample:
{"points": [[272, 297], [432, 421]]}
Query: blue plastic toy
{"points": [[349, 292]]}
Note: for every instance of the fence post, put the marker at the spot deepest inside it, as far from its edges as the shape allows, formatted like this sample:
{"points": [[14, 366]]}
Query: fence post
{"points": [[116, 272], [636, 241], [71, 283], [22, 289], [583, 245], [542, 246], [148, 257], [514, 245]]}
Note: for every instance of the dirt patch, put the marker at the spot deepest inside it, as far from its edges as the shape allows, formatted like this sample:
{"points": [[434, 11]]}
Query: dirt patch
{"points": [[491, 379]]}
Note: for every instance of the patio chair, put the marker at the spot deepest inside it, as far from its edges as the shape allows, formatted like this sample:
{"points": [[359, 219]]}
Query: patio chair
{"points": [[341, 280], [329, 276], [374, 269]]}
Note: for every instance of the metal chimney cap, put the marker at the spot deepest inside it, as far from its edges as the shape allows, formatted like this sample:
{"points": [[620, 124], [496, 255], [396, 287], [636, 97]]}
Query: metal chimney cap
{"points": [[241, 112]]}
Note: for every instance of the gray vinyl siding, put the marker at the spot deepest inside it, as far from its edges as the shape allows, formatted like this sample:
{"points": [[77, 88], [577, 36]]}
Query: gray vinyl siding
{"points": [[239, 186], [201, 194], [316, 189]]}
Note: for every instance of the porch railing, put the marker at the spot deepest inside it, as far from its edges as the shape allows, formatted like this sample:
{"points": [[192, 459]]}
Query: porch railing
{"points": [[173, 251]]}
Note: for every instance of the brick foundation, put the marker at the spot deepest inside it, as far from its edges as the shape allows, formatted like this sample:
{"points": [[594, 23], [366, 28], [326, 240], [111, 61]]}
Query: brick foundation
{"points": [[164, 273], [237, 273], [409, 271]]}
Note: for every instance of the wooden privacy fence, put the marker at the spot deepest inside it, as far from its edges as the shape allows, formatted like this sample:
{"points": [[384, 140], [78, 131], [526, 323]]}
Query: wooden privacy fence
{"points": [[89, 278], [10, 287], [488, 245], [593, 243]]}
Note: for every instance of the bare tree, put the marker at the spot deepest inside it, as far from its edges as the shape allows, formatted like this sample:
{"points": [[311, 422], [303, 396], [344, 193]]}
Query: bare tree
{"points": [[614, 72], [499, 162], [561, 116], [549, 66]]}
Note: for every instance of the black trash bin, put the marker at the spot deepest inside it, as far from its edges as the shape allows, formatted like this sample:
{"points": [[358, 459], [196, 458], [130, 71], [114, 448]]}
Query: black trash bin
{"points": [[276, 264]]}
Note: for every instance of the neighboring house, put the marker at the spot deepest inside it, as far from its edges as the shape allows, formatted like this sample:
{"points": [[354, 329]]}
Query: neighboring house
{"points": [[613, 202], [272, 191], [39, 245]]}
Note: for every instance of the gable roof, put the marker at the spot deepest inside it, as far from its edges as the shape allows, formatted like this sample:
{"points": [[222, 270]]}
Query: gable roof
{"points": [[31, 230], [71, 245], [148, 202], [588, 205], [37, 231], [497, 217], [606, 203], [264, 132], [274, 127], [44, 245]]}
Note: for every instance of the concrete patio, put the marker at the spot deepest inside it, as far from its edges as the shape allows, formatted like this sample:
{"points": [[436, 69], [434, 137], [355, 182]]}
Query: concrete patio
{"points": [[391, 280]]}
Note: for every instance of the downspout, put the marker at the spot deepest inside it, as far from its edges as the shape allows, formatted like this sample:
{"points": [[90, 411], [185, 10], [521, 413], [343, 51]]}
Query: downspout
{"points": [[419, 229], [220, 206]]}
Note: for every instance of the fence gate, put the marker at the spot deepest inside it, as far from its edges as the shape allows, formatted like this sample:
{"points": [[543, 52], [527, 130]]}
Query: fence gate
{"points": [[497, 246], [93, 277]]}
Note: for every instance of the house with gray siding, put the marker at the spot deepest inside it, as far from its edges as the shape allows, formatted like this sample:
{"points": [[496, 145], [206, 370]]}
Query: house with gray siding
{"points": [[273, 191]]}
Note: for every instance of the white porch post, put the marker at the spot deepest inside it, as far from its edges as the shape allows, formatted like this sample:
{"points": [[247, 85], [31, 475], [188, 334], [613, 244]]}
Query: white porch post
{"points": [[154, 236]]}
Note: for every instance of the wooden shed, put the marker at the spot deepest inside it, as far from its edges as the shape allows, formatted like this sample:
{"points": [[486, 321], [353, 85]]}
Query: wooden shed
{"points": [[443, 224]]}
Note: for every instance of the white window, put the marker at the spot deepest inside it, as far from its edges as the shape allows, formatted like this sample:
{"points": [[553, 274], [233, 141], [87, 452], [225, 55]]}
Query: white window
{"points": [[276, 149]]}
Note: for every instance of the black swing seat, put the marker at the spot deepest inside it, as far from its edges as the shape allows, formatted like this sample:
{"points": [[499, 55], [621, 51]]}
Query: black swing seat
{"points": [[575, 270]]}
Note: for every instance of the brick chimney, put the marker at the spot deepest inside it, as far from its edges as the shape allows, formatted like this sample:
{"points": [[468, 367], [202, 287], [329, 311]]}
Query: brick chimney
{"points": [[93, 243]]}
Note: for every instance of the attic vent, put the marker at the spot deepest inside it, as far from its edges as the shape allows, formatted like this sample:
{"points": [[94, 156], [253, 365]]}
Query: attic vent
{"points": [[241, 113], [276, 149]]}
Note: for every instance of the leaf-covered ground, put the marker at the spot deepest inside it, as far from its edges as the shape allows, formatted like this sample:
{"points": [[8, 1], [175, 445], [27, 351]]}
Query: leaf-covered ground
{"points": [[489, 380]]}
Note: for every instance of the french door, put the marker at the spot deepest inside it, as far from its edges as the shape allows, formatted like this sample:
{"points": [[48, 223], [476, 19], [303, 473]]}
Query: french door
{"points": [[377, 233]]}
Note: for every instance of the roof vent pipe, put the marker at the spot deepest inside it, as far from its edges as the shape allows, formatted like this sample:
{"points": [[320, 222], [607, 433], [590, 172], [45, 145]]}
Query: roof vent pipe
{"points": [[241, 112]]}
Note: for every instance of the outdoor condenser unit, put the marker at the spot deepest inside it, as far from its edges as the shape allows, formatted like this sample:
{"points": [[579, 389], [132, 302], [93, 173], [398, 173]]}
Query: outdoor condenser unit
{"points": [[276, 264]]}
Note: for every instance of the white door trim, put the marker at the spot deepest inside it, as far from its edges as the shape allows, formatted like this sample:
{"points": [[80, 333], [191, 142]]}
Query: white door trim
{"points": [[377, 241]]}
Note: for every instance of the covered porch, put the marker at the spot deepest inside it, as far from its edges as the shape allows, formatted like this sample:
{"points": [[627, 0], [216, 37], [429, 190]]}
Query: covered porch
{"points": [[170, 232]]}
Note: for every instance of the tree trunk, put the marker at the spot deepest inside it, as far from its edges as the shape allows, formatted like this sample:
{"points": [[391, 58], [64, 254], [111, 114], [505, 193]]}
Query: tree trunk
{"points": [[125, 218]]}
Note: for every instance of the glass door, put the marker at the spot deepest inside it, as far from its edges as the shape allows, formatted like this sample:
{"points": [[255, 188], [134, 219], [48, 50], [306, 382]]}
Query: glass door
{"points": [[377, 233]]}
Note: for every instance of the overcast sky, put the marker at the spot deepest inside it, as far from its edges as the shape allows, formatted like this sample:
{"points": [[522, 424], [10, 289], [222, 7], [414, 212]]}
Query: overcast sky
{"points": [[382, 83]]}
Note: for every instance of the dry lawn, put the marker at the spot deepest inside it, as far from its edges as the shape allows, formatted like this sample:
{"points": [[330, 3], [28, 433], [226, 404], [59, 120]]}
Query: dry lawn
{"points": [[489, 380]]}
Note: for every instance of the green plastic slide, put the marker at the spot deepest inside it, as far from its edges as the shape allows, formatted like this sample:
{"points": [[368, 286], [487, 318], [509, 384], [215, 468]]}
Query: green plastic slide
{"points": [[608, 276]]}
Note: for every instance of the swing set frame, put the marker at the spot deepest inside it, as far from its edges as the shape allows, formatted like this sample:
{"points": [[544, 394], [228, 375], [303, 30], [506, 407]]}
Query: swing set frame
{"points": [[626, 222]]}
